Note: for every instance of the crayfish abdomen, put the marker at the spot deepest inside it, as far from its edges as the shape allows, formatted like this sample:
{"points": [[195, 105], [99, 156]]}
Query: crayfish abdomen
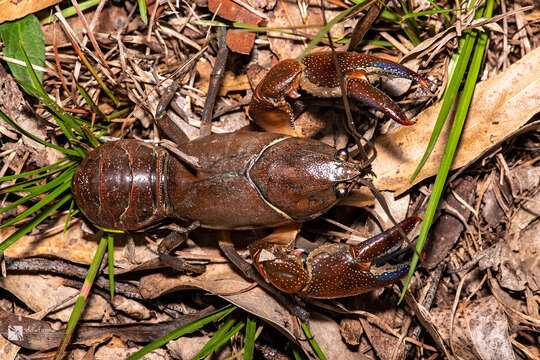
{"points": [[121, 185]]}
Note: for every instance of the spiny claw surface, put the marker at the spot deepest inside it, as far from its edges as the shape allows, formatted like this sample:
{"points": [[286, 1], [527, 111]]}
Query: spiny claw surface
{"points": [[333, 270], [317, 75]]}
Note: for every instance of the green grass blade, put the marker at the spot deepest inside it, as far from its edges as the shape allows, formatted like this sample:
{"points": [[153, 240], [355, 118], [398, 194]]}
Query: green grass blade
{"points": [[110, 257], [451, 146], [227, 337], [91, 102], [65, 120], [82, 299], [34, 172], [249, 341], [186, 329], [222, 335], [29, 185], [36, 191], [143, 11], [69, 215], [32, 224], [390, 16], [70, 11], [312, 341], [35, 138], [218, 335], [448, 98], [450, 93], [92, 139], [429, 12], [297, 354], [120, 113], [40, 204], [437, 7]]}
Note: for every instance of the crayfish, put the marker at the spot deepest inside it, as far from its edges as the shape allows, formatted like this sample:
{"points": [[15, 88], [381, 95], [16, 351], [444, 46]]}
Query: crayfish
{"points": [[250, 180]]}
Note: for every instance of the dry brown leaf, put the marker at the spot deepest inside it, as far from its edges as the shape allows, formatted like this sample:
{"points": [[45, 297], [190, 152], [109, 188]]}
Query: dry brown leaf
{"points": [[217, 279], [82, 246], [480, 330], [13, 10], [500, 106], [237, 40], [230, 81], [40, 292], [53, 243]]}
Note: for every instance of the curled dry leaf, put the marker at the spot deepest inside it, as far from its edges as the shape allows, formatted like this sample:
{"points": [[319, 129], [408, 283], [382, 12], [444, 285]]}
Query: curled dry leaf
{"points": [[480, 330], [500, 106]]}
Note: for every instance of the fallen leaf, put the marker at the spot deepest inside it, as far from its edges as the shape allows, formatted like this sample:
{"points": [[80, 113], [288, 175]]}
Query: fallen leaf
{"points": [[45, 292], [480, 329], [110, 20], [230, 81], [500, 105], [237, 40], [13, 10]]}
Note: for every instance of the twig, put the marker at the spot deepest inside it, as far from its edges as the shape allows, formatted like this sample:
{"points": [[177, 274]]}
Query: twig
{"points": [[214, 84]]}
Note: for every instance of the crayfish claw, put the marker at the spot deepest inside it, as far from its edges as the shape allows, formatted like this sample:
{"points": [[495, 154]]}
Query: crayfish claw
{"points": [[363, 92], [339, 270]]}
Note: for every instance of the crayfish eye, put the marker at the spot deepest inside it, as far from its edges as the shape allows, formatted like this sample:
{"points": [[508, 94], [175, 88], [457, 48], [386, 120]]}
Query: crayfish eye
{"points": [[342, 155], [341, 190]]}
